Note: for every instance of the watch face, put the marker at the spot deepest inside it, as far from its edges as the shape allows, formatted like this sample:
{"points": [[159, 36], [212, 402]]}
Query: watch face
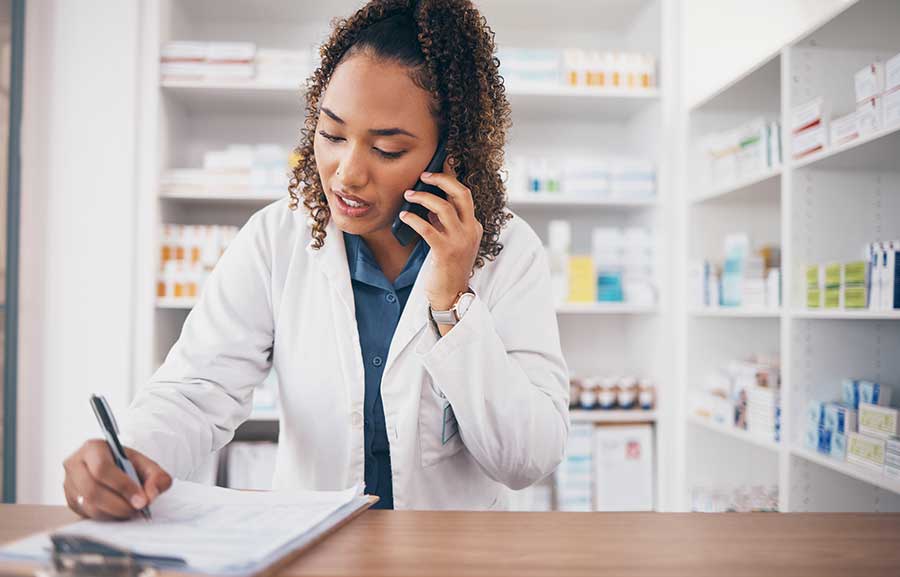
{"points": [[465, 301]]}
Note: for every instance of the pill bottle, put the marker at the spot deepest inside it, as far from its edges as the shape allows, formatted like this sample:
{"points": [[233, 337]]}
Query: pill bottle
{"points": [[606, 394], [646, 394], [588, 398], [628, 392]]}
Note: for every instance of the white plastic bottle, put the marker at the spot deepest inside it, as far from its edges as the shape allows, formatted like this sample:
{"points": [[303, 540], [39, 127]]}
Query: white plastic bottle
{"points": [[560, 244]]}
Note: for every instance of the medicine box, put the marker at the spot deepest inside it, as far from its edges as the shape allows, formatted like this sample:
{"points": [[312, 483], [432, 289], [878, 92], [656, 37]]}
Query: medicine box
{"points": [[844, 129], [832, 416], [866, 451], [808, 115], [840, 418], [892, 458], [890, 104], [854, 392], [581, 279], [892, 73], [814, 281], [856, 282], [869, 116], [878, 421], [869, 82], [809, 141], [833, 283], [623, 468]]}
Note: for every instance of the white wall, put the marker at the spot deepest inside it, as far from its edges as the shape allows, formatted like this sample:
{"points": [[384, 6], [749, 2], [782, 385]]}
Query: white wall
{"points": [[78, 215], [721, 37]]}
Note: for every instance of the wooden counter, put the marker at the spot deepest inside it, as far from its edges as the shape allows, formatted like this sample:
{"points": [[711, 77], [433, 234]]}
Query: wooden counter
{"points": [[426, 544]]}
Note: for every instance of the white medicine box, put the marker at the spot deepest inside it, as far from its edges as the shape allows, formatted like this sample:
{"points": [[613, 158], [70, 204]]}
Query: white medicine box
{"points": [[623, 468]]}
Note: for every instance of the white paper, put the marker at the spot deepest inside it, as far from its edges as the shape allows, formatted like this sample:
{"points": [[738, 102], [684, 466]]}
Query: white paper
{"points": [[214, 530]]}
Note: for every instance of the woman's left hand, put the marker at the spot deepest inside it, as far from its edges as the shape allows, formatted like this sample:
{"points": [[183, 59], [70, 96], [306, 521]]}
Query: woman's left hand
{"points": [[452, 232]]}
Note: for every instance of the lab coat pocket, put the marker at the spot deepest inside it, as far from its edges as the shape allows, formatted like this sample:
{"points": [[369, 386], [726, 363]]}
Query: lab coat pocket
{"points": [[438, 430]]}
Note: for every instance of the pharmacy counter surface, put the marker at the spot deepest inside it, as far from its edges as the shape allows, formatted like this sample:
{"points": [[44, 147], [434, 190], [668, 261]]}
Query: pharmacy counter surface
{"points": [[558, 544]]}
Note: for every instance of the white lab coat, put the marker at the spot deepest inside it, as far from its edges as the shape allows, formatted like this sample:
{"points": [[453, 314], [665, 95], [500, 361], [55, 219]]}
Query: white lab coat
{"points": [[273, 300]]}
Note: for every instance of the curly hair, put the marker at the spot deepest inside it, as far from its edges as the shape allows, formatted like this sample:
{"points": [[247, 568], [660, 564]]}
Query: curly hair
{"points": [[449, 49]]}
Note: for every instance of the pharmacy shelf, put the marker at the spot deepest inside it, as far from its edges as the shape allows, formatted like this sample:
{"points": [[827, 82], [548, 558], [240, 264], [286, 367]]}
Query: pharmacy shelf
{"points": [[287, 98], [527, 200], [229, 198], [733, 432], [263, 415], [851, 470], [237, 96], [762, 187], [579, 102], [736, 312], [176, 304], [745, 87], [612, 416], [846, 315], [605, 309], [564, 309], [877, 151]]}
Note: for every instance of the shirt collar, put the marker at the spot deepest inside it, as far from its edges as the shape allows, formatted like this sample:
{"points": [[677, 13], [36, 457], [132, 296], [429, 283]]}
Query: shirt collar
{"points": [[364, 268]]}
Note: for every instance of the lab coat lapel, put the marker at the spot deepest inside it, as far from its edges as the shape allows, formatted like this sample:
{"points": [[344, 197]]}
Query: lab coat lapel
{"points": [[332, 260], [415, 315]]}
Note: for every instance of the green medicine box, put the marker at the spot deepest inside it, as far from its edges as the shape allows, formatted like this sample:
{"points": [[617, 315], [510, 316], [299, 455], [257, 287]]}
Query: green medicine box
{"points": [[813, 288], [855, 277], [833, 286]]}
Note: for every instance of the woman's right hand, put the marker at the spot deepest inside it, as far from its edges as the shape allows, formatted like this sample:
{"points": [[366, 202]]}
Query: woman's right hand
{"points": [[96, 488]]}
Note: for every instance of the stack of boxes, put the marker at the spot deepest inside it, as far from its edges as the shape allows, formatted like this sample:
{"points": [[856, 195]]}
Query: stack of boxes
{"points": [[234, 61], [757, 400], [827, 426], [891, 98], [620, 268], [742, 152], [809, 128], [747, 279], [238, 170], [614, 178], [877, 97], [202, 61], [573, 476], [873, 283], [743, 394], [862, 428]]}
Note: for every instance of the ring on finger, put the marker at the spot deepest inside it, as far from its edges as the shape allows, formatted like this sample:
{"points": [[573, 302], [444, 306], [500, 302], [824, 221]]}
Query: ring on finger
{"points": [[80, 500]]}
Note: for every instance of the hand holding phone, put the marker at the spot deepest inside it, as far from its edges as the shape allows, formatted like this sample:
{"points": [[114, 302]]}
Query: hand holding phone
{"points": [[402, 231]]}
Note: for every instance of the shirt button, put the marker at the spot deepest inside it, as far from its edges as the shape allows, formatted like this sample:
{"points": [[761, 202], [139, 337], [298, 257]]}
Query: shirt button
{"points": [[357, 419], [390, 298], [377, 361]]}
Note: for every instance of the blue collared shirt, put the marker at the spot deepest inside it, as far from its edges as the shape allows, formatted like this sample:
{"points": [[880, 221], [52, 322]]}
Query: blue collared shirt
{"points": [[379, 305]]}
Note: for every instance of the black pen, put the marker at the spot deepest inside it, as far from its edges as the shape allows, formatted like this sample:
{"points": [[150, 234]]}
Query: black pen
{"points": [[111, 432]]}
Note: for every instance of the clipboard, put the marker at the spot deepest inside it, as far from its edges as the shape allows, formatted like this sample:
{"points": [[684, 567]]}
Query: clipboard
{"points": [[75, 557]]}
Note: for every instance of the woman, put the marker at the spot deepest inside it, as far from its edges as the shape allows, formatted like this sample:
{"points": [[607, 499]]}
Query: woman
{"points": [[373, 388]]}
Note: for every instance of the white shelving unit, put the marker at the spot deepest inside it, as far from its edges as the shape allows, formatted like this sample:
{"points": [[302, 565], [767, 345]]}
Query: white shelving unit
{"points": [[733, 432], [615, 416], [819, 209], [565, 309], [736, 313], [182, 119]]}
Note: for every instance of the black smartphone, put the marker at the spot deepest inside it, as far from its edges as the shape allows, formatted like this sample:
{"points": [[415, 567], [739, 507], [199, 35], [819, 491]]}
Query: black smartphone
{"points": [[402, 231]]}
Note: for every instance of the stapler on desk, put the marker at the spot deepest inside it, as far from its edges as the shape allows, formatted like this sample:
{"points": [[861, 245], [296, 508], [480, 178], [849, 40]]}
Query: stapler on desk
{"points": [[75, 556]]}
